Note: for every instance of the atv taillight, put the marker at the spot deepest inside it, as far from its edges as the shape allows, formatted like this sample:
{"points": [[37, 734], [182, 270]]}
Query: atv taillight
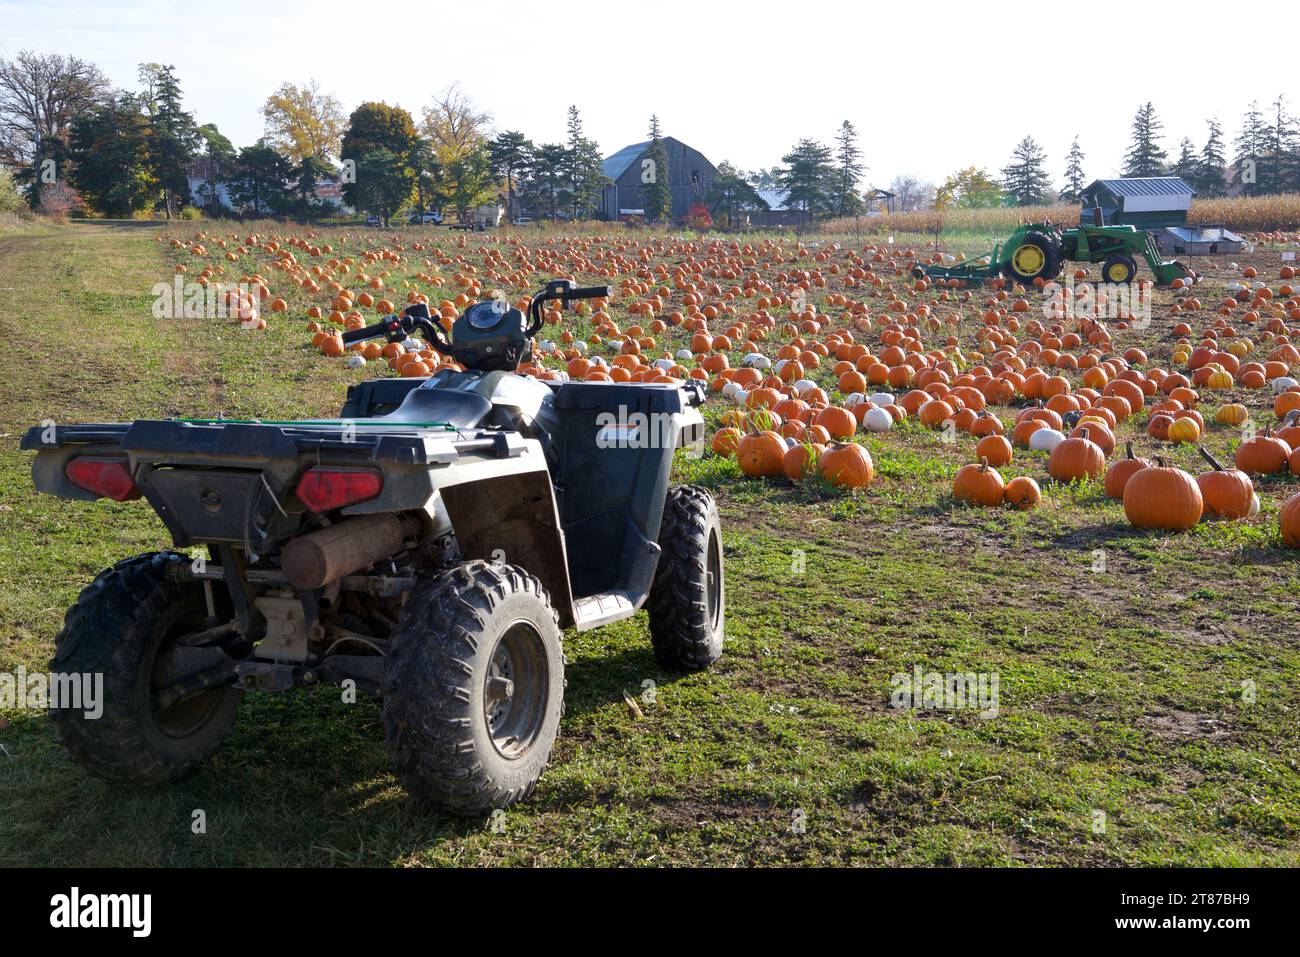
{"points": [[110, 478], [323, 489]]}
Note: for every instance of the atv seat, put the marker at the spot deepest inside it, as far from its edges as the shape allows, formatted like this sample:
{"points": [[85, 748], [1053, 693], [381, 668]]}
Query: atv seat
{"points": [[465, 410]]}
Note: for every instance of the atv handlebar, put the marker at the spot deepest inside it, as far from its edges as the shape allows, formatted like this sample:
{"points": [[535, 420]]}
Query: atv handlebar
{"points": [[565, 291], [389, 325]]}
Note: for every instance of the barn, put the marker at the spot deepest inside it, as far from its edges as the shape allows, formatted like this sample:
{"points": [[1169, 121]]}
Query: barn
{"points": [[1141, 201], [689, 174]]}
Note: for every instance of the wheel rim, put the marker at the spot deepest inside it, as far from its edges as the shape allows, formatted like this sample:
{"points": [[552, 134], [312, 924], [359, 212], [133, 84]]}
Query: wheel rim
{"points": [[187, 717], [515, 690], [713, 580], [1118, 272], [1028, 260]]}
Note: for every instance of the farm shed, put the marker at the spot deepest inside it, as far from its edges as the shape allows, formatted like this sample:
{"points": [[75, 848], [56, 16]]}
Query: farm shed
{"points": [[779, 211], [1141, 201], [1197, 240], [687, 167]]}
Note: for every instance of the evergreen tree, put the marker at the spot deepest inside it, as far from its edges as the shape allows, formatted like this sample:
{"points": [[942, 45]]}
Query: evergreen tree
{"points": [[173, 135], [1278, 174], [1074, 177], [658, 190], [1209, 173], [260, 181], [1145, 156], [1249, 146], [731, 193], [544, 180], [809, 179], [510, 153], [1188, 163], [108, 145], [848, 158], [1025, 178]]}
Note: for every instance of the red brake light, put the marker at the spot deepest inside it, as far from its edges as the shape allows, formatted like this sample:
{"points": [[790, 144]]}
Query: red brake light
{"points": [[323, 489], [110, 478]]}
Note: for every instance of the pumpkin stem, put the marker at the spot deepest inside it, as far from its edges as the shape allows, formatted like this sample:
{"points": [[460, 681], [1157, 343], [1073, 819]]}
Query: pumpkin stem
{"points": [[984, 463], [1129, 448], [1161, 463], [1214, 463]]}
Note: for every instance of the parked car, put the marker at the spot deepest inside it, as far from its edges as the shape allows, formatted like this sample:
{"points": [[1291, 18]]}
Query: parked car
{"points": [[372, 220], [523, 220], [426, 219]]}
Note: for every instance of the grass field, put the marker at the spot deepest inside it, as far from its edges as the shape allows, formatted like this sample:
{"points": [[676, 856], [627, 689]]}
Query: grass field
{"points": [[1123, 734]]}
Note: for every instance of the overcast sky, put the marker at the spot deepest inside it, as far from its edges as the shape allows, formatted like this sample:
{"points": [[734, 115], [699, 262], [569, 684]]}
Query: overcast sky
{"points": [[931, 86]]}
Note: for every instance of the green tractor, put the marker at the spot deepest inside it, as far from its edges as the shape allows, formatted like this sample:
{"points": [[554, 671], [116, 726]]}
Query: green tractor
{"points": [[1038, 250]]}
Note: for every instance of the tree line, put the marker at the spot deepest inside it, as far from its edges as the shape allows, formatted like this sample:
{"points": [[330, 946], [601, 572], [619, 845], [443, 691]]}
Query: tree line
{"points": [[68, 136]]}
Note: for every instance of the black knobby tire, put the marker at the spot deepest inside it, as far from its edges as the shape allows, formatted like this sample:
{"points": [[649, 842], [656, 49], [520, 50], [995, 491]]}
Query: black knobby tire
{"points": [[1051, 267], [1127, 262], [121, 627], [687, 601], [455, 737]]}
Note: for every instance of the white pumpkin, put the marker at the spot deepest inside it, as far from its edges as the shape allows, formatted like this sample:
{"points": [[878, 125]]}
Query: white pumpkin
{"points": [[852, 399], [581, 349], [757, 360], [741, 396], [1282, 383], [684, 355], [882, 398], [1046, 439], [730, 389], [664, 363], [355, 361], [877, 420], [1254, 506], [803, 385]]}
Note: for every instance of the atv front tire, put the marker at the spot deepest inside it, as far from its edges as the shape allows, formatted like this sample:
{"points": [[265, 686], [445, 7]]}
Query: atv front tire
{"points": [[687, 600], [474, 688], [122, 627]]}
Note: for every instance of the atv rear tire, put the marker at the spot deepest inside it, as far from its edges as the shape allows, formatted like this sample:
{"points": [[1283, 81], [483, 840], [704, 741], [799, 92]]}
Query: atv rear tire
{"points": [[688, 598], [121, 627], [1036, 257], [474, 688]]}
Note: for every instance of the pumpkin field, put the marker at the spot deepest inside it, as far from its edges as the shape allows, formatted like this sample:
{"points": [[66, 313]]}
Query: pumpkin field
{"points": [[1097, 509]]}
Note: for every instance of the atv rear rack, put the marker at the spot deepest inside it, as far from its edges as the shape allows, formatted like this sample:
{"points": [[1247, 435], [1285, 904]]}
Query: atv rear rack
{"points": [[400, 443]]}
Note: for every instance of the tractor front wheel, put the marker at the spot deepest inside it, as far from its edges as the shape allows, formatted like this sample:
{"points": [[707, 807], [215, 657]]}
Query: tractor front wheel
{"points": [[1119, 269]]}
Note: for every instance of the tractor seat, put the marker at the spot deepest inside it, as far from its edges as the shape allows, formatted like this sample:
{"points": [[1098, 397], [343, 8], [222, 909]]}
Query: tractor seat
{"points": [[464, 410]]}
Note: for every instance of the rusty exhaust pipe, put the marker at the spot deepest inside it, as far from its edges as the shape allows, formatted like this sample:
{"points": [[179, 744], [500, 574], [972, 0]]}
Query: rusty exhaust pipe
{"points": [[321, 558]]}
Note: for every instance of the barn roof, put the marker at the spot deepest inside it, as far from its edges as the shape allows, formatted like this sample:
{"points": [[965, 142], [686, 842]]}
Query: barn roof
{"points": [[1144, 186], [616, 165]]}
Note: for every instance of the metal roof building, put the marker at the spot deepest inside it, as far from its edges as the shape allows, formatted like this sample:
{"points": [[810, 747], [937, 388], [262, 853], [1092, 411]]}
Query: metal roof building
{"points": [[1138, 201], [689, 173]]}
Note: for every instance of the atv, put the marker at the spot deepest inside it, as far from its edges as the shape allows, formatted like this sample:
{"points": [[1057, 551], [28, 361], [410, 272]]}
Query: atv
{"points": [[428, 546]]}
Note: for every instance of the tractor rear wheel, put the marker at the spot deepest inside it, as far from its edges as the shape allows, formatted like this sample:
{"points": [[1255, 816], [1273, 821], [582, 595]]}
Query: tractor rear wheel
{"points": [[687, 599], [1037, 257], [1119, 269], [474, 688]]}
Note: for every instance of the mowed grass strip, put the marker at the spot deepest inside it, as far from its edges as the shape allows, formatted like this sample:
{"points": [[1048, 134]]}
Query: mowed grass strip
{"points": [[1123, 732]]}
